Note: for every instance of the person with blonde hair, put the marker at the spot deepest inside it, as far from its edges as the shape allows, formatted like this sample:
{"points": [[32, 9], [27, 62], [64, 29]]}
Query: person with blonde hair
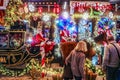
{"points": [[77, 59]]}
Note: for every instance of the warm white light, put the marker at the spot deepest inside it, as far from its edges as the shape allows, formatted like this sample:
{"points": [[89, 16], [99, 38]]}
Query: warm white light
{"points": [[65, 5], [46, 17], [31, 7], [85, 15], [65, 15], [110, 14]]}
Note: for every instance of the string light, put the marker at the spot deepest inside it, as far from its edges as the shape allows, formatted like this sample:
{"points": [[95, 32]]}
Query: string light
{"points": [[85, 15]]}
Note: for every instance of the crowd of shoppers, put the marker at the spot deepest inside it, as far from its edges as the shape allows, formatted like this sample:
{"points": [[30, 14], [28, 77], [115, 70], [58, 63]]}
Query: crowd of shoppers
{"points": [[110, 64]]}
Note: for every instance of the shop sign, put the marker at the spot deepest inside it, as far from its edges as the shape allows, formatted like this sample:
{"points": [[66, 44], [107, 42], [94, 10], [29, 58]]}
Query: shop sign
{"points": [[100, 6]]}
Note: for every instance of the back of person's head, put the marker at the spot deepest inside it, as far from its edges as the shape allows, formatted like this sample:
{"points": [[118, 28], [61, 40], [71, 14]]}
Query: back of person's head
{"points": [[110, 38], [81, 46]]}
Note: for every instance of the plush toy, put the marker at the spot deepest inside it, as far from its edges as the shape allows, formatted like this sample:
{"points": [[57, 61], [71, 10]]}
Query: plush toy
{"points": [[67, 47], [37, 39]]}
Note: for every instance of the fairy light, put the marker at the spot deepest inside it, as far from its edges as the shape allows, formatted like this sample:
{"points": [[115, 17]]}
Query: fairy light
{"points": [[85, 15]]}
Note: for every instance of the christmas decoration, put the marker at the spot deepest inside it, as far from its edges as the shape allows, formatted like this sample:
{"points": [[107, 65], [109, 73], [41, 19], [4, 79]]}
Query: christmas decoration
{"points": [[8, 72], [33, 68], [12, 13], [40, 9], [31, 7], [3, 4], [64, 35], [2, 13], [93, 68], [56, 9], [67, 28], [105, 25], [26, 8], [84, 28], [94, 12]]}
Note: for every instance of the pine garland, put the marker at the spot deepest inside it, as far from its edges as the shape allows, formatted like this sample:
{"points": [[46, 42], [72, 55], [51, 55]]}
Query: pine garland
{"points": [[93, 68], [29, 66]]}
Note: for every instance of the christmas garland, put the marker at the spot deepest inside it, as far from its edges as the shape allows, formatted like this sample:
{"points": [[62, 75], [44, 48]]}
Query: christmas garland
{"points": [[32, 67], [93, 68], [48, 71], [29, 66]]}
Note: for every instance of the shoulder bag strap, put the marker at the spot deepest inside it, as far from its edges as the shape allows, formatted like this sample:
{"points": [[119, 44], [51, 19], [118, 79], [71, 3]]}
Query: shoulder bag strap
{"points": [[117, 50]]}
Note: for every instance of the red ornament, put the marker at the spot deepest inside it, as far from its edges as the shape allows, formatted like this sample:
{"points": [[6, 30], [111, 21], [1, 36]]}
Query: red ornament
{"points": [[56, 9], [40, 9]]}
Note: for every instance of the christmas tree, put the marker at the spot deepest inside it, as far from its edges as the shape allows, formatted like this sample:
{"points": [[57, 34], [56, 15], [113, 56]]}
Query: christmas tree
{"points": [[12, 12]]}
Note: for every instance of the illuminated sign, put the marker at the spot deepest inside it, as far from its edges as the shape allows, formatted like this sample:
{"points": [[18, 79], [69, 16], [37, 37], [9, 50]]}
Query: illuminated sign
{"points": [[100, 6]]}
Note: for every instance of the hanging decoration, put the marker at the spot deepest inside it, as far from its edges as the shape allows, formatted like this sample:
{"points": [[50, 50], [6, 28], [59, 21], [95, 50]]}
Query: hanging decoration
{"points": [[62, 23], [105, 24], [84, 28], [56, 9], [94, 12], [82, 6], [40, 9], [67, 28]]}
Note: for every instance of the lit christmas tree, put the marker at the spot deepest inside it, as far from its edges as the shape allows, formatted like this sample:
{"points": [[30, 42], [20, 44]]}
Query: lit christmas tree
{"points": [[12, 12]]}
